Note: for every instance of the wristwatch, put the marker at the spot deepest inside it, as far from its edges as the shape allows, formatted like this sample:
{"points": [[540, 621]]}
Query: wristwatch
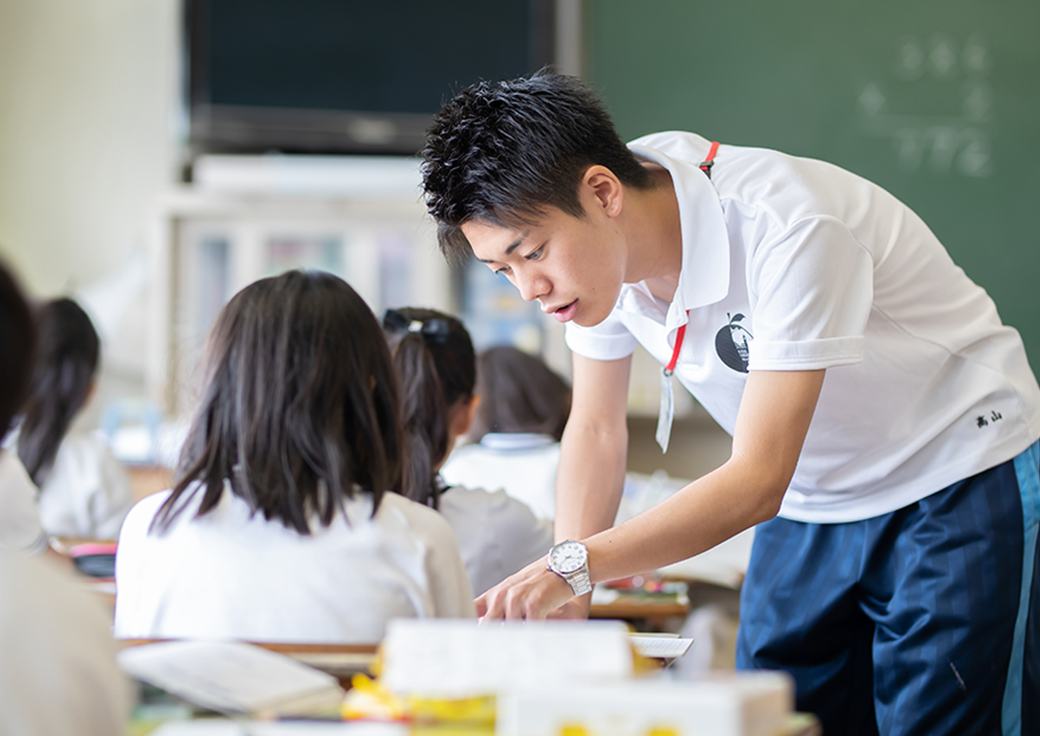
{"points": [[570, 560]]}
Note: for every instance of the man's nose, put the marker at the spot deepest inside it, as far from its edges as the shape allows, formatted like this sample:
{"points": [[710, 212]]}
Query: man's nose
{"points": [[532, 286]]}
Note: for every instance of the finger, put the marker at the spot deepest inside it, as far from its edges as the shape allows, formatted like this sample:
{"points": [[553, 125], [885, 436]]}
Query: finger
{"points": [[490, 604], [515, 604]]}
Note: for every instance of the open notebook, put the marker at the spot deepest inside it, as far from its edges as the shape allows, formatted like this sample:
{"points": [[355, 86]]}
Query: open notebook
{"points": [[234, 678]]}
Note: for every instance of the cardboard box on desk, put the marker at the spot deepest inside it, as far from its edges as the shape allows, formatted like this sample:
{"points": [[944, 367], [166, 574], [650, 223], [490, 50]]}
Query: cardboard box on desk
{"points": [[738, 704]]}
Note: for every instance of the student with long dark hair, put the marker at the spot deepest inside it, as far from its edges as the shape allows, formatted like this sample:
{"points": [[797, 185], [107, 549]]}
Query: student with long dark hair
{"points": [[283, 523], [58, 671], [435, 361], [84, 490], [20, 527], [514, 443]]}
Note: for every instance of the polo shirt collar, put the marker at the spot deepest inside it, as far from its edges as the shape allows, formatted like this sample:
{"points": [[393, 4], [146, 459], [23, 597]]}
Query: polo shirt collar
{"points": [[704, 277]]}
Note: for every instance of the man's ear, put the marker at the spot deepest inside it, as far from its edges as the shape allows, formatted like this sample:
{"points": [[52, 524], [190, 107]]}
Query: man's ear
{"points": [[605, 188]]}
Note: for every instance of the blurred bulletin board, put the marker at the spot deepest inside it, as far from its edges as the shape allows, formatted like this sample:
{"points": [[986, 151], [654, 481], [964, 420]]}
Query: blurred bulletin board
{"points": [[936, 100]]}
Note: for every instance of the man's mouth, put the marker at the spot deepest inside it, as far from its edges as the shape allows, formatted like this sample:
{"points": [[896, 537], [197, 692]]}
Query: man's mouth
{"points": [[566, 312]]}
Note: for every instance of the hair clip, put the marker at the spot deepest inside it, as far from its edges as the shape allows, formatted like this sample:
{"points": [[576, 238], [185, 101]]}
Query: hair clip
{"points": [[434, 330], [394, 321]]}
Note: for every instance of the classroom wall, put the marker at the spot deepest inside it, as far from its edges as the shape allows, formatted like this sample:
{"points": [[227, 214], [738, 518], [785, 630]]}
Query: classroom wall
{"points": [[936, 100], [86, 105]]}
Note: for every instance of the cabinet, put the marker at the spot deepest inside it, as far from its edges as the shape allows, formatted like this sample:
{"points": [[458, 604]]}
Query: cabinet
{"points": [[208, 243]]}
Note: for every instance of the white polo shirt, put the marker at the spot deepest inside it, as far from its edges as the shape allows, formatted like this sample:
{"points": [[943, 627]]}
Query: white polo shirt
{"points": [[796, 264]]}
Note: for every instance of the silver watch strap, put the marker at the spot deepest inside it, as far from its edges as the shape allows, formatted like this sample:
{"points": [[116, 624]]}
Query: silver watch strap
{"points": [[579, 581]]}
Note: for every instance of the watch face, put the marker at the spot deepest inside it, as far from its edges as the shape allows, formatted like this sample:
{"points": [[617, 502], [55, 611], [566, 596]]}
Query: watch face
{"points": [[568, 557]]}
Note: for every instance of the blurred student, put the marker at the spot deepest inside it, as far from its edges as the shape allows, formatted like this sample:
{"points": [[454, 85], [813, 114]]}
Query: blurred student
{"points": [[84, 490], [514, 442], [282, 524], [435, 361], [58, 671], [20, 527]]}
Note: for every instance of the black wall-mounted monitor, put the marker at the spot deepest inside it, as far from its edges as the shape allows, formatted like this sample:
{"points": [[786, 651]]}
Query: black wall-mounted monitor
{"points": [[345, 76]]}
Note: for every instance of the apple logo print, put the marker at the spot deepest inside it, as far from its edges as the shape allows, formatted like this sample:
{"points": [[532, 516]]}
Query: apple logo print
{"points": [[731, 343]]}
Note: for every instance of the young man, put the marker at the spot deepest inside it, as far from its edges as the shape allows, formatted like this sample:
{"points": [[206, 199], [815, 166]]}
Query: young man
{"points": [[884, 421]]}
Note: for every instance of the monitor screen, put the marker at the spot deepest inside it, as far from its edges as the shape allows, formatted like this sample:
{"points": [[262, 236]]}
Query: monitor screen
{"points": [[341, 76]]}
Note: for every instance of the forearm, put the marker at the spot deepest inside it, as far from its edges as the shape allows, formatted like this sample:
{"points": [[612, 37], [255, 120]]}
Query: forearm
{"points": [[748, 489], [590, 479], [771, 426], [695, 519]]}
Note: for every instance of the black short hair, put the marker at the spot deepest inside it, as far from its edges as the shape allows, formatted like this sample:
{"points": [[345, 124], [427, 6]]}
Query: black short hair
{"points": [[67, 359], [519, 393], [437, 368], [17, 347], [300, 405], [502, 152]]}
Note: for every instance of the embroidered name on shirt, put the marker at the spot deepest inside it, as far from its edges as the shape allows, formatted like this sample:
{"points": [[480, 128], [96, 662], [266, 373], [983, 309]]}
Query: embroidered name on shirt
{"points": [[983, 421], [731, 343]]}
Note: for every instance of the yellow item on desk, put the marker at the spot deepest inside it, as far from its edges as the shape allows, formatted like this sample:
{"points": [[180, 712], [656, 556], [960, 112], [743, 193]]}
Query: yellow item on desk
{"points": [[369, 700]]}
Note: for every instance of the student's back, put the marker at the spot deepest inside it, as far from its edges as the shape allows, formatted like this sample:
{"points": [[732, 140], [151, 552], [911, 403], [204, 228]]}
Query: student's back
{"points": [[434, 358], [281, 525], [515, 438], [232, 574], [84, 490]]}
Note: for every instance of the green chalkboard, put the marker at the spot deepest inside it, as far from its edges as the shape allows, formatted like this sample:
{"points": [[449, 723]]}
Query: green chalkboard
{"points": [[936, 100]]}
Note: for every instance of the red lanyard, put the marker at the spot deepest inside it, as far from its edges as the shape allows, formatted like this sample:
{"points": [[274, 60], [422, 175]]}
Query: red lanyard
{"points": [[680, 334], [709, 160]]}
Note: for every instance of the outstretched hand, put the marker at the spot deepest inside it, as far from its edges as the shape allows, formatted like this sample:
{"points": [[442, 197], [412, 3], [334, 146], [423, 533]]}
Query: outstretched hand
{"points": [[533, 593]]}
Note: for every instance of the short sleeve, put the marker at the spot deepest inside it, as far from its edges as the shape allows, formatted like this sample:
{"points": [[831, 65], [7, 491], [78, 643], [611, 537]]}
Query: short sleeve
{"points": [[609, 340], [811, 295]]}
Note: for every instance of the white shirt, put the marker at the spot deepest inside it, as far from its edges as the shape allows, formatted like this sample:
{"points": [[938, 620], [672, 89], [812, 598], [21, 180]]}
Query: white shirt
{"points": [[497, 534], [795, 264], [522, 464], [58, 671], [20, 527], [230, 575], [87, 492]]}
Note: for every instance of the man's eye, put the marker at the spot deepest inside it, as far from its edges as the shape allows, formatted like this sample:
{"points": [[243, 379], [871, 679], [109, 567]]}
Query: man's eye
{"points": [[534, 255], [504, 271]]}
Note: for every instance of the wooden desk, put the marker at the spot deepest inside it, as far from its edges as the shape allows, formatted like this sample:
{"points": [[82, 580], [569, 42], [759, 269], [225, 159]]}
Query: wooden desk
{"points": [[645, 610], [628, 610], [149, 479]]}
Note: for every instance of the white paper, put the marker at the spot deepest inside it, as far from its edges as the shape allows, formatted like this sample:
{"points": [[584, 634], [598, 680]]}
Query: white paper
{"points": [[457, 658], [661, 646], [229, 677]]}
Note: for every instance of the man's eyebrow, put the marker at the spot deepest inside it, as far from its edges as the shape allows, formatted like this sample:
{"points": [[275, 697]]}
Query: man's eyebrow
{"points": [[516, 244]]}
